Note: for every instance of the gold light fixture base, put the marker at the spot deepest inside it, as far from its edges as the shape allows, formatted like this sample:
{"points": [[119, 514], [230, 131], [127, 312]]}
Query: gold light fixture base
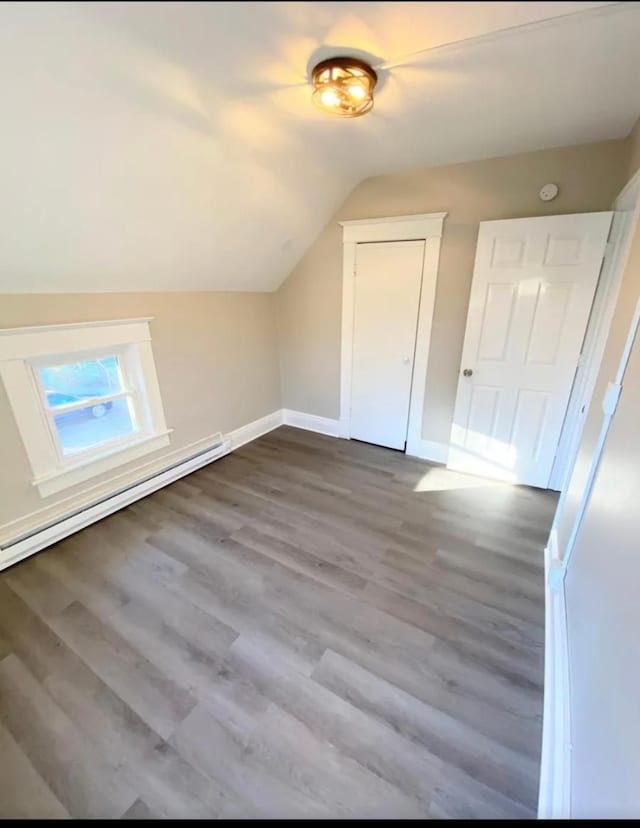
{"points": [[343, 86]]}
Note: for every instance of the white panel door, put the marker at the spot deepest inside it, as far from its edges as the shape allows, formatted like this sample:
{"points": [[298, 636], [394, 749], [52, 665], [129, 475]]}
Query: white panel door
{"points": [[388, 278], [533, 285]]}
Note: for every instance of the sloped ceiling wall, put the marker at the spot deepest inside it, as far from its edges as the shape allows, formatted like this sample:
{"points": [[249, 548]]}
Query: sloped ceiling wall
{"points": [[173, 146]]}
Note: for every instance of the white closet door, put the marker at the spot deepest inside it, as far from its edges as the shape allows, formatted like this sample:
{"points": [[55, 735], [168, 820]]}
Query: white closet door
{"points": [[533, 286], [388, 278]]}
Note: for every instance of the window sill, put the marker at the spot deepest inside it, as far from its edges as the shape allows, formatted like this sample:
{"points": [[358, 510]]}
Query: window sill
{"points": [[65, 478]]}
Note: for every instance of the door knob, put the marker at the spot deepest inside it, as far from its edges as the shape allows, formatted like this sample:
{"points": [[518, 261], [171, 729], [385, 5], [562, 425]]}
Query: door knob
{"points": [[406, 360], [467, 372]]}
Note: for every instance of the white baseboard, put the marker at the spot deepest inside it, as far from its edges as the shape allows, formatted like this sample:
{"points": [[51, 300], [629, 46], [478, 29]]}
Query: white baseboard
{"points": [[251, 431], [311, 422], [554, 800], [428, 450], [44, 527], [424, 449]]}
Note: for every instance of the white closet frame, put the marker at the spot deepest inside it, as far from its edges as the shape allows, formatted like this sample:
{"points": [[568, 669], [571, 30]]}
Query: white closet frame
{"points": [[424, 226]]}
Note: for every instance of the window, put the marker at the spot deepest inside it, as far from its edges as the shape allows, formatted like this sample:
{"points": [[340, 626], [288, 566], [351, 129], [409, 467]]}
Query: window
{"points": [[88, 404], [85, 397]]}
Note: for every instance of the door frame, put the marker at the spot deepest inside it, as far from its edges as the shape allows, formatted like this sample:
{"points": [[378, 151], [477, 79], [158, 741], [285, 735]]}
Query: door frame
{"points": [[627, 202], [427, 227], [626, 210]]}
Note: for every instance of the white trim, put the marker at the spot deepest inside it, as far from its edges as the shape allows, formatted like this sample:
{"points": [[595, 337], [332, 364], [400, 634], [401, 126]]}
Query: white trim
{"points": [[251, 431], [427, 226], [554, 798], [429, 450], [555, 775], [346, 350], [551, 549], [421, 354], [555, 570], [49, 525], [60, 479], [22, 350], [393, 228], [406, 219], [609, 403], [625, 221], [311, 422], [71, 325], [54, 340]]}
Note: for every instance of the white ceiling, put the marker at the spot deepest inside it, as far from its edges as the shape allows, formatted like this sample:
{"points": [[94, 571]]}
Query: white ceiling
{"points": [[174, 146]]}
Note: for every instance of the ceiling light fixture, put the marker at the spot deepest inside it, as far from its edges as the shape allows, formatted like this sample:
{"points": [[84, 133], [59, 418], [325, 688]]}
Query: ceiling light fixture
{"points": [[344, 86]]}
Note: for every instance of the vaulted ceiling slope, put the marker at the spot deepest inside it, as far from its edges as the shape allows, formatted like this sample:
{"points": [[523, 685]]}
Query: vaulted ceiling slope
{"points": [[174, 146]]}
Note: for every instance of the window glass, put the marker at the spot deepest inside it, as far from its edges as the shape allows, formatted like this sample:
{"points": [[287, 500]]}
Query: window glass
{"points": [[77, 381], [85, 428]]}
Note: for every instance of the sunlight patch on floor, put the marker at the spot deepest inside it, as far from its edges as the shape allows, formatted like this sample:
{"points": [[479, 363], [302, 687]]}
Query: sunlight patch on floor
{"points": [[444, 480]]}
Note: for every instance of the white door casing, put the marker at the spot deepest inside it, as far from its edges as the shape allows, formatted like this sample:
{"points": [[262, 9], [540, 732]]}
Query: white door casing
{"points": [[626, 220], [388, 277], [427, 227], [533, 285]]}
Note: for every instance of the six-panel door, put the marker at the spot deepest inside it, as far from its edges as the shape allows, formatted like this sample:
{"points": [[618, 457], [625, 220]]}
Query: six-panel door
{"points": [[533, 285]]}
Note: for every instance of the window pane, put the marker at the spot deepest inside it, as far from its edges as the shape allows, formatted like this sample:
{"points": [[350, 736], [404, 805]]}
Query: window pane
{"points": [[88, 427], [77, 381]]}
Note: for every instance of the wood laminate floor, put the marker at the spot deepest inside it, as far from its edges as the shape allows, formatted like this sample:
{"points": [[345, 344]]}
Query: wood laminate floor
{"points": [[308, 627]]}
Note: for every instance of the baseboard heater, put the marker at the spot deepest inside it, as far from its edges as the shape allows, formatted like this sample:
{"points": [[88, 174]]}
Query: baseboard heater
{"points": [[56, 530]]}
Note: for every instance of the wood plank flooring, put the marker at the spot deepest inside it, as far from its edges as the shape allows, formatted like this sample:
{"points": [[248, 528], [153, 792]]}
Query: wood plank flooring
{"points": [[308, 627]]}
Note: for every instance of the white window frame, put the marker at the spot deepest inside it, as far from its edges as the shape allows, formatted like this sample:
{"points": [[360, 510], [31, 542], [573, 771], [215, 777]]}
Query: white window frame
{"points": [[24, 350]]}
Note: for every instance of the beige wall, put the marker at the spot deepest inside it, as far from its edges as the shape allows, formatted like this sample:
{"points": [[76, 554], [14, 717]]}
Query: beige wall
{"points": [[215, 353], [309, 302]]}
